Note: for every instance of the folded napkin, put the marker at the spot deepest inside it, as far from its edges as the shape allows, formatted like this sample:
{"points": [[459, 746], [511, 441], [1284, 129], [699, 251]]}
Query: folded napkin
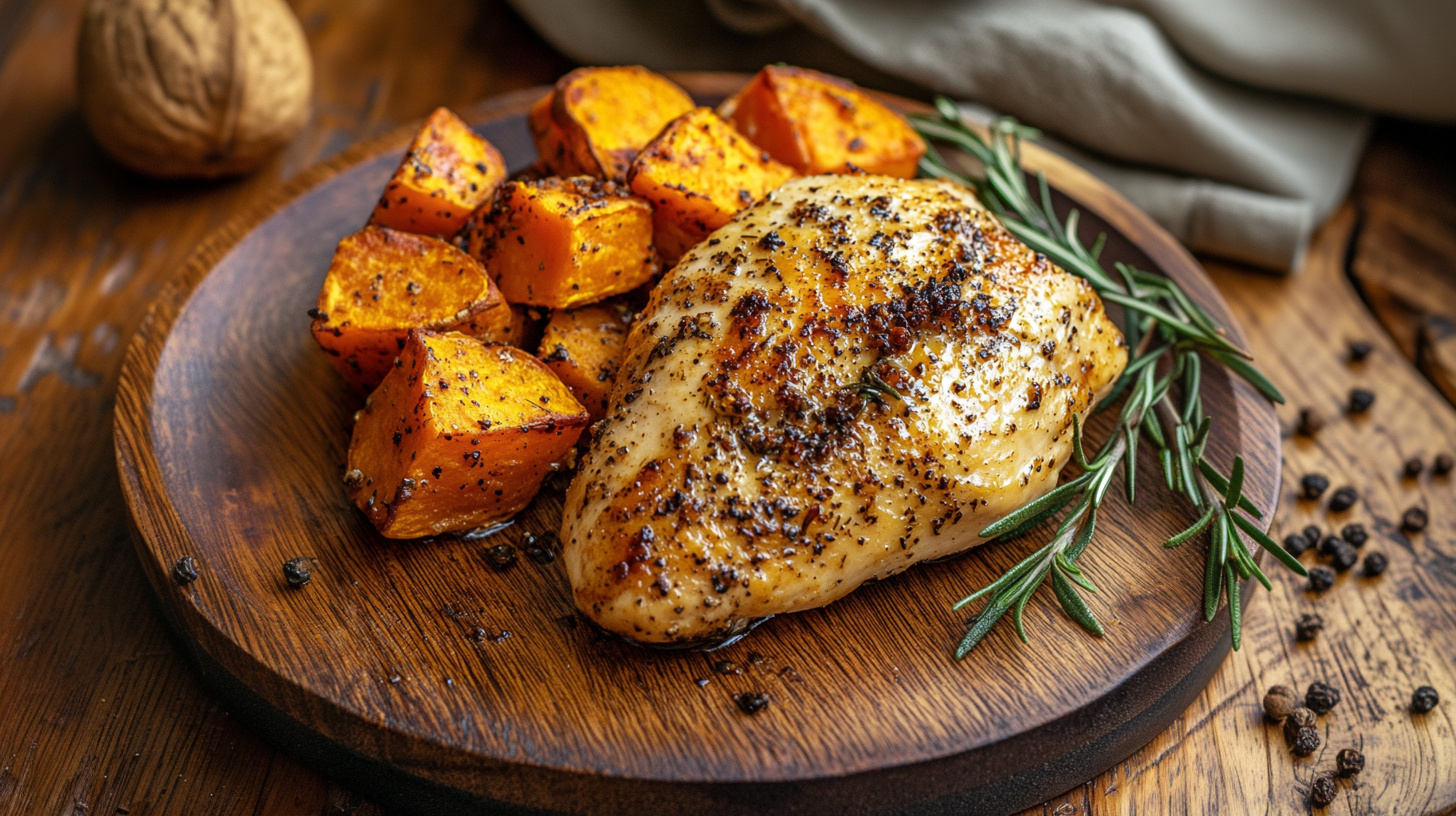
{"points": [[1236, 124]]}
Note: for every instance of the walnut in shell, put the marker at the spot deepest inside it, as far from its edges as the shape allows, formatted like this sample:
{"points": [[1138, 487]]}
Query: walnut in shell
{"points": [[193, 88]]}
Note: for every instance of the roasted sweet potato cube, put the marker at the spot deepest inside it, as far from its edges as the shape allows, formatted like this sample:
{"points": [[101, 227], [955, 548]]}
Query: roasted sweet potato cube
{"points": [[564, 242], [458, 436], [498, 324], [447, 173], [607, 115], [552, 154], [584, 346], [384, 282], [817, 123], [698, 173], [518, 326]]}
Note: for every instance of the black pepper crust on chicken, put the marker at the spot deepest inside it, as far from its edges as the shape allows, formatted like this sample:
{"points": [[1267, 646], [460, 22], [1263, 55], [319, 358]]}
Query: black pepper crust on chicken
{"points": [[855, 375]]}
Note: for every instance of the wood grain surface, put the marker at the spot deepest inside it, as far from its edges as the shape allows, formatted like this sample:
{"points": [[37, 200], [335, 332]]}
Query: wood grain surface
{"points": [[100, 713], [1384, 636], [1403, 260], [231, 436]]}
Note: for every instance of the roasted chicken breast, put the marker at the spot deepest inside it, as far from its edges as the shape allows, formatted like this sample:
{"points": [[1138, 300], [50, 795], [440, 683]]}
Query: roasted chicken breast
{"points": [[856, 374]]}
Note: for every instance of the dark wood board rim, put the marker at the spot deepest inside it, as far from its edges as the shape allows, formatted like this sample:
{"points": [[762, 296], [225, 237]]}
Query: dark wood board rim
{"points": [[154, 515], [404, 792]]}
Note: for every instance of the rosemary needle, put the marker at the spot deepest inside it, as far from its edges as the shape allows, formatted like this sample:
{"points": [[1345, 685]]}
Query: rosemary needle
{"points": [[1163, 325]]}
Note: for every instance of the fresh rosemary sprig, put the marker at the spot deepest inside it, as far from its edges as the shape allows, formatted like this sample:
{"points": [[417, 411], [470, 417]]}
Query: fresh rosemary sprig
{"points": [[1164, 328]]}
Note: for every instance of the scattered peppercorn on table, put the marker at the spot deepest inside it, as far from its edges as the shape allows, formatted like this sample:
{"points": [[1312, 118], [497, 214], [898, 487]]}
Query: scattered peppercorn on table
{"points": [[99, 713]]}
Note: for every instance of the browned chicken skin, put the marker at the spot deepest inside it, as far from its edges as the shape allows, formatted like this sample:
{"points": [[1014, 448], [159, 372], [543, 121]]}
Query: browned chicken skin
{"points": [[857, 374]]}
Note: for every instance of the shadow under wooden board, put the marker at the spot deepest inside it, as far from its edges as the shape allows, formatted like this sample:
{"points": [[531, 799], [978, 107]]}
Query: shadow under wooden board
{"points": [[393, 669]]}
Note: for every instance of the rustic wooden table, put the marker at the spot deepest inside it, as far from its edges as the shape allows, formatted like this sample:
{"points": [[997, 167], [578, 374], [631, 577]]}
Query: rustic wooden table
{"points": [[100, 713]]}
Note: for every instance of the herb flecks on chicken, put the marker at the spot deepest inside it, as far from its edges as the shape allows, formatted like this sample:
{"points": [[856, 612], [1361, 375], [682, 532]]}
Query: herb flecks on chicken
{"points": [[855, 375]]}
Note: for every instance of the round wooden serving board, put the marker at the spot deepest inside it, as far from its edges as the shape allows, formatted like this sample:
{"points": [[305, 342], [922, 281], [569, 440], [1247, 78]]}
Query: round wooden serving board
{"points": [[391, 670]]}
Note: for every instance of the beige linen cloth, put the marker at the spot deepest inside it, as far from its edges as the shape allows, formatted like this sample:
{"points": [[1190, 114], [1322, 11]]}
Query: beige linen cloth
{"points": [[1236, 124]]}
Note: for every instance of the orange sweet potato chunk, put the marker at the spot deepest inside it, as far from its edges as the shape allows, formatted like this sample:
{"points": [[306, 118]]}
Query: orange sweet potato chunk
{"points": [[607, 115], [564, 242], [498, 324], [818, 123], [384, 282], [458, 436], [698, 173], [551, 151], [447, 173], [584, 347]]}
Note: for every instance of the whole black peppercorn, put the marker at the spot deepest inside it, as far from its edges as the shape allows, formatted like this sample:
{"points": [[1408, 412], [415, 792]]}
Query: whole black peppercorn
{"points": [[1299, 719], [1323, 791], [1310, 423], [1344, 556], [1329, 545], [501, 556], [1360, 400], [184, 571], [1414, 520], [1424, 699], [1295, 544], [1355, 534], [296, 571], [1280, 702], [1349, 762], [1375, 564], [1308, 626], [1306, 741], [1321, 578], [541, 548], [1443, 464], [1313, 485], [751, 702], [1359, 350], [1343, 499], [1321, 697], [1413, 467], [1312, 533]]}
